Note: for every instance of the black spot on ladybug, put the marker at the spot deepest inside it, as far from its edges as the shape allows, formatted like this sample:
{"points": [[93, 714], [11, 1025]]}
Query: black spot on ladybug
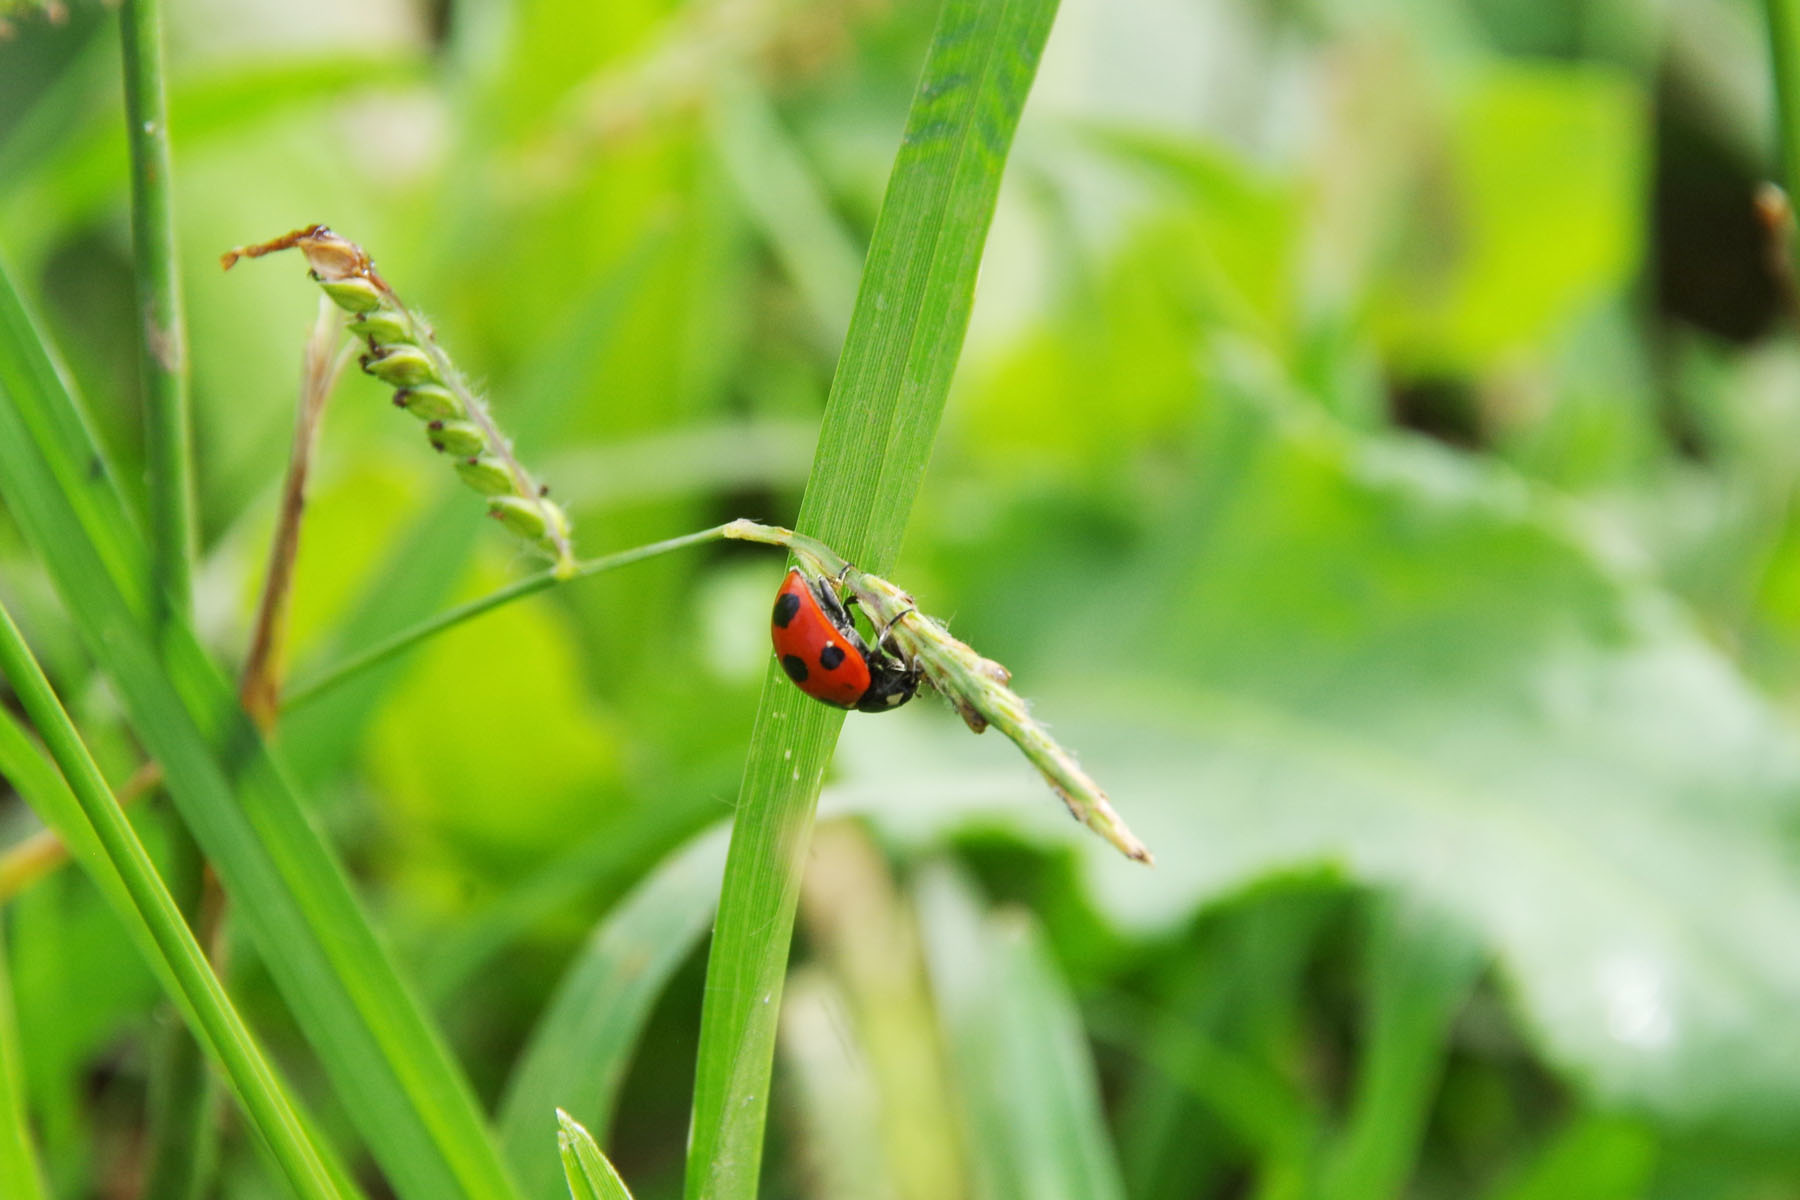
{"points": [[794, 666], [786, 606], [832, 656]]}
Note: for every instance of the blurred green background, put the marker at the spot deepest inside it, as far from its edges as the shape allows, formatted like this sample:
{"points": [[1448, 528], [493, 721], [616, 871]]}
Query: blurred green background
{"points": [[1375, 453]]}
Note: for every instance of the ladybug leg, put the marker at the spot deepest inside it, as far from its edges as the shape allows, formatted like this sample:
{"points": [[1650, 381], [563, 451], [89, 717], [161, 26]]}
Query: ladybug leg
{"points": [[881, 637], [838, 579]]}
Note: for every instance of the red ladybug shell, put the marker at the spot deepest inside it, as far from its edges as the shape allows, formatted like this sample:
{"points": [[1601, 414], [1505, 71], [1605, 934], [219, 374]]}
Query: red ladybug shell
{"points": [[825, 658]]}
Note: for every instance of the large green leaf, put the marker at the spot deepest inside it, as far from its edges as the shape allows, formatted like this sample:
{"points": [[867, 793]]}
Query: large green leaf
{"points": [[1030, 1097], [577, 1054], [1379, 657]]}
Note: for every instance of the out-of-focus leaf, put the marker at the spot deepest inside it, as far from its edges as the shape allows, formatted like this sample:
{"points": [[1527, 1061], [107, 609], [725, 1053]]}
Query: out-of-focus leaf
{"points": [[578, 1053], [1420, 970], [20, 1176], [836, 1111], [1595, 1157], [1382, 658], [506, 717], [1036, 1127], [1532, 216]]}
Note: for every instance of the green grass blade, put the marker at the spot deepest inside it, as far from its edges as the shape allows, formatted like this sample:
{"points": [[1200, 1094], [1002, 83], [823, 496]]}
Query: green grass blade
{"points": [[183, 1131], [1037, 1127], [21, 1177], [114, 855], [85, 478], [577, 1054], [781, 195], [1422, 969], [1597, 1156], [182, 1152], [162, 334], [388, 1064], [589, 1175], [905, 335]]}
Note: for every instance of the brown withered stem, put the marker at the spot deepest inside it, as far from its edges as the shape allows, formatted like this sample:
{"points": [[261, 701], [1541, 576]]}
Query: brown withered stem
{"points": [[321, 367]]}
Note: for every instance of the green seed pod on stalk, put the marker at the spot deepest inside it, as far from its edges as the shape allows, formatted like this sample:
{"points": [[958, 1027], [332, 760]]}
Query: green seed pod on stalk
{"points": [[429, 402], [352, 295], [541, 523], [381, 327], [486, 475], [401, 365], [403, 353], [461, 438]]}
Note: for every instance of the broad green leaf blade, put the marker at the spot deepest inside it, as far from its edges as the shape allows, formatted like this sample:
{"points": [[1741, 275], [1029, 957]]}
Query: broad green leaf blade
{"points": [[1036, 1125], [577, 1055], [20, 1175], [1394, 663], [589, 1175], [80, 805], [390, 1067], [905, 335]]}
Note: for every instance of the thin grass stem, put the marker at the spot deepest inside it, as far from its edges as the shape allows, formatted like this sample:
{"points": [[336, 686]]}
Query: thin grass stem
{"points": [[400, 642], [162, 335]]}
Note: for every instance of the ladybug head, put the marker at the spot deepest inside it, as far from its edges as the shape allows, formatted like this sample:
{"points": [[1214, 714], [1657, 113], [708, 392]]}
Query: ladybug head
{"points": [[892, 682]]}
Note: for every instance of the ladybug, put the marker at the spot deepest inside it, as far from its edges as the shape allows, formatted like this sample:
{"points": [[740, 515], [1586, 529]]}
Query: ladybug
{"points": [[826, 657]]}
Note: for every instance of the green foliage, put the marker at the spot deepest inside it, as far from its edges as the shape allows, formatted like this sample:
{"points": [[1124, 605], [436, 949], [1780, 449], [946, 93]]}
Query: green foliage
{"points": [[590, 1176], [1373, 453]]}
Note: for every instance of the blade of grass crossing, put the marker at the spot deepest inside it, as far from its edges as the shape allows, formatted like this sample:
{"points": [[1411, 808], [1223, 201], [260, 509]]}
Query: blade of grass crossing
{"points": [[577, 1054], [589, 1175], [124, 866], [21, 1176], [408, 1100], [906, 332], [183, 1101]]}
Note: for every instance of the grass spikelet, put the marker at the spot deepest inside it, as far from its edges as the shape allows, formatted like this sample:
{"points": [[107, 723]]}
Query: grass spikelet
{"points": [[403, 353], [977, 687]]}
